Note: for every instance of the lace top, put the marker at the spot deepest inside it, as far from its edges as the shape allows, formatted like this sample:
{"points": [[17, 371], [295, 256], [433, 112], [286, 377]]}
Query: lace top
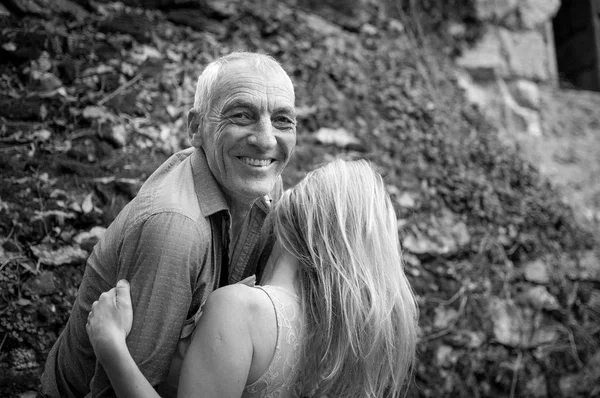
{"points": [[276, 382]]}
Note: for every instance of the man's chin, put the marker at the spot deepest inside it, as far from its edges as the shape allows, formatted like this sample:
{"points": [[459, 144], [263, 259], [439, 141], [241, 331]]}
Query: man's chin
{"points": [[251, 192]]}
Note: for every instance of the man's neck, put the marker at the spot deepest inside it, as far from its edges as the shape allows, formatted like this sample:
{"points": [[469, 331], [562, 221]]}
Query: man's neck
{"points": [[238, 212]]}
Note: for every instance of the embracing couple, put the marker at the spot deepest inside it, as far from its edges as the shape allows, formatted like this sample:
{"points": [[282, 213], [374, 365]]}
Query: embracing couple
{"points": [[332, 314]]}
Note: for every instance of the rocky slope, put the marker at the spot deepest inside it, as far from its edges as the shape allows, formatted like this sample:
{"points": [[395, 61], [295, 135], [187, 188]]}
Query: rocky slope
{"points": [[93, 98]]}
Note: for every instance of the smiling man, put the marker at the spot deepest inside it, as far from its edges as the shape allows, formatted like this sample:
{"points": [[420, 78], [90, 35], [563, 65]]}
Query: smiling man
{"points": [[194, 226]]}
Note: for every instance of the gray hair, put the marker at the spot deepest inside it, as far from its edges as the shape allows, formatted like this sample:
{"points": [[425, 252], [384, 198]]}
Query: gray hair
{"points": [[205, 87]]}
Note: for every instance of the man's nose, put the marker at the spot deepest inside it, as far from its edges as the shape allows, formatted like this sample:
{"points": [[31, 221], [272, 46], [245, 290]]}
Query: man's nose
{"points": [[263, 135]]}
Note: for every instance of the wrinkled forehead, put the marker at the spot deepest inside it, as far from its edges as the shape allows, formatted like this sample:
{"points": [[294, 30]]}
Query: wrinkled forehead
{"points": [[241, 78]]}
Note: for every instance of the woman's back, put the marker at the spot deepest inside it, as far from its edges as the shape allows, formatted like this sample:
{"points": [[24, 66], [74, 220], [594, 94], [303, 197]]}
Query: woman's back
{"points": [[278, 379]]}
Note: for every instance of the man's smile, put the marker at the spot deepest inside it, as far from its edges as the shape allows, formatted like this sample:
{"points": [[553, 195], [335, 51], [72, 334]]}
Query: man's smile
{"points": [[256, 162]]}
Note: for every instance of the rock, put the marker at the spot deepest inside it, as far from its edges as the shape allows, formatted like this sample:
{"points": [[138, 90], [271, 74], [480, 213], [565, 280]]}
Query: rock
{"points": [[476, 94], [3, 255], [320, 25], [52, 217], [43, 64], [338, 137], [463, 338], [45, 82], [197, 20], [88, 239], [4, 12], [494, 10], [537, 272], [42, 135], [138, 26], [445, 356], [406, 200], [87, 205], [538, 298], [98, 113], [474, 339], [369, 30], [28, 46], [526, 93], [516, 326], [576, 384], [395, 26], [23, 358], [570, 385], [303, 112], [594, 302], [413, 261], [515, 118], [219, 9], [485, 60], [443, 236], [126, 102], [536, 12], [42, 284], [589, 263], [506, 330], [158, 3], [504, 53], [526, 54], [71, 8], [587, 268], [23, 109], [536, 387], [60, 256], [460, 233], [117, 136], [47, 8], [457, 30], [444, 317], [8, 245], [30, 7]]}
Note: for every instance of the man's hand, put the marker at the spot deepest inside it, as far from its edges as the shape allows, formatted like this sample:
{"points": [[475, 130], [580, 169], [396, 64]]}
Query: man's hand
{"points": [[110, 320]]}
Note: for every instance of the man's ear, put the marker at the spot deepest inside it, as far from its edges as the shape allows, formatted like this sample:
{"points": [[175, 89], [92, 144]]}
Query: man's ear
{"points": [[195, 128]]}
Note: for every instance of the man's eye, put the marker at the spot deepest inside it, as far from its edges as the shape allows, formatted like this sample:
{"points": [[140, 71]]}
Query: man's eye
{"points": [[240, 117], [283, 122]]}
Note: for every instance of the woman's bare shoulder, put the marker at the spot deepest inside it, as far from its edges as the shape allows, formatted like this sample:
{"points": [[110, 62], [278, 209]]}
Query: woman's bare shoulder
{"points": [[240, 299]]}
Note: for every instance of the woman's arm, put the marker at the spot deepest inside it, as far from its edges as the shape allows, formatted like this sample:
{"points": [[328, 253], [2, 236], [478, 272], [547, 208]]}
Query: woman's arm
{"points": [[216, 364]]}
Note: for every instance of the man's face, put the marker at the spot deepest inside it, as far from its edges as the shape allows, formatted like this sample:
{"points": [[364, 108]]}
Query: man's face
{"points": [[250, 131]]}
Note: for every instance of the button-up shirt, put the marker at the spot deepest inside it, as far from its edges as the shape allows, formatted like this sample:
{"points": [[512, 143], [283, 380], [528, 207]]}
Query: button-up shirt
{"points": [[169, 243]]}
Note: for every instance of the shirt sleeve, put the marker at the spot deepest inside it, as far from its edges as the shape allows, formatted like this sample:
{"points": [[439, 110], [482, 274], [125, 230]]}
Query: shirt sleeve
{"points": [[161, 259]]}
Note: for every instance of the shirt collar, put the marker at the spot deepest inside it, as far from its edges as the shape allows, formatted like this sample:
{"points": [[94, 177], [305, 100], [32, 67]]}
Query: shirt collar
{"points": [[210, 197]]}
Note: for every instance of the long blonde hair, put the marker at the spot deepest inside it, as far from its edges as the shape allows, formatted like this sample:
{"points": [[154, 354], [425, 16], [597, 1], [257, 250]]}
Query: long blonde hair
{"points": [[361, 315]]}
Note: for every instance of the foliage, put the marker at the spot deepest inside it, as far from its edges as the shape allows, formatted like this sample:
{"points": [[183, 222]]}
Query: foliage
{"points": [[91, 107]]}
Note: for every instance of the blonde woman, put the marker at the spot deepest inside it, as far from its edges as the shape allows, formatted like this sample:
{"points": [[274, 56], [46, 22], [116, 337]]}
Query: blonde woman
{"points": [[335, 315]]}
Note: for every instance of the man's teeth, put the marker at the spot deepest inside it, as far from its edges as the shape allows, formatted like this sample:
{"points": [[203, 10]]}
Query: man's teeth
{"points": [[256, 162]]}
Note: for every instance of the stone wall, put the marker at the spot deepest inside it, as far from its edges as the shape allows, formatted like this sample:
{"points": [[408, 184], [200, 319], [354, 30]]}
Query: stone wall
{"points": [[503, 71]]}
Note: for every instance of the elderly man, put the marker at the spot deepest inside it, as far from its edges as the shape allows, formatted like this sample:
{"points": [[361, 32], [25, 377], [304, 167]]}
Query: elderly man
{"points": [[193, 226]]}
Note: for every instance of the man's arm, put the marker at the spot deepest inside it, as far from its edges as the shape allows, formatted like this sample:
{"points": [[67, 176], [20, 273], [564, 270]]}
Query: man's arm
{"points": [[158, 257], [108, 325]]}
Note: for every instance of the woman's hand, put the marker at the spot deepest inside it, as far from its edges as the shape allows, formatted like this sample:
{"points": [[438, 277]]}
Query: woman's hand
{"points": [[110, 321]]}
